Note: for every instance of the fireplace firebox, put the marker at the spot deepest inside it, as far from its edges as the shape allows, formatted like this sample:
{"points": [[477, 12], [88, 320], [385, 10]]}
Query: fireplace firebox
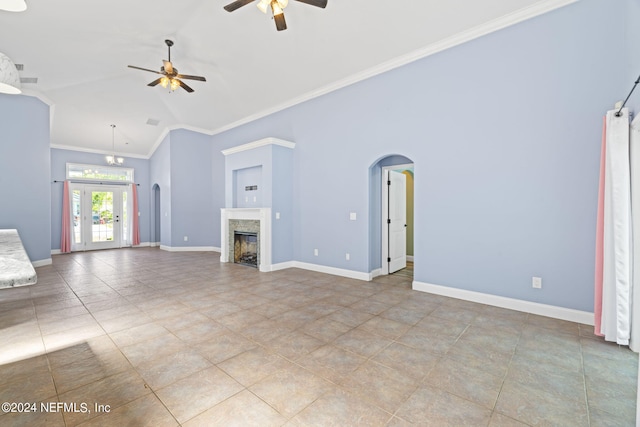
{"points": [[245, 248]]}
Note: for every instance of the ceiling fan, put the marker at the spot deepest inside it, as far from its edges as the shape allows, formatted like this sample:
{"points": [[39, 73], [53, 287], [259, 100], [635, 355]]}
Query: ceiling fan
{"points": [[170, 76], [277, 8]]}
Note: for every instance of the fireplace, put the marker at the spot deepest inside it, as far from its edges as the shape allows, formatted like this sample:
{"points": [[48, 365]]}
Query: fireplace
{"points": [[253, 221], [245, 248]]}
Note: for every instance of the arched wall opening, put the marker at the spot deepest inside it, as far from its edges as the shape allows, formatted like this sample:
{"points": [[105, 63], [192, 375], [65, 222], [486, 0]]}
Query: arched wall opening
{"points": [[378, 206]]}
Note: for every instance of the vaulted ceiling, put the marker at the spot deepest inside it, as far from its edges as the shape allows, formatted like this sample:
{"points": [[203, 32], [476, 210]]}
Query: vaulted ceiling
{"points": [[79, 51]]}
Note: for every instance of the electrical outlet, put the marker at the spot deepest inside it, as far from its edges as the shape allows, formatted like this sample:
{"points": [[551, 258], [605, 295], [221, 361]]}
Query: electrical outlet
{"points": [[348, 257], [315, 252], [186, 238], [536, 282]]}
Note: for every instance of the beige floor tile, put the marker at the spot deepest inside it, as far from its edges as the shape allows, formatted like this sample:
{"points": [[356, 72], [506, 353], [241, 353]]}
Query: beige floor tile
{"points": [[535, 407], [294, 345], [153, 348], [115, 391], [146, 411], [241, 410], [380, 385], [361, 342], [223, 347], [429, 406], [84, 371], [415, 364], [196, 393], [165, 370], [467, 382], [253, 365], [290, 390], [339, 408]]}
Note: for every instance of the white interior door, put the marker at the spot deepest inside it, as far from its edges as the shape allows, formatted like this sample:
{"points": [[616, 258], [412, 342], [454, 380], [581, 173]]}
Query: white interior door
{"points": [[98, 216], [397, 220]]}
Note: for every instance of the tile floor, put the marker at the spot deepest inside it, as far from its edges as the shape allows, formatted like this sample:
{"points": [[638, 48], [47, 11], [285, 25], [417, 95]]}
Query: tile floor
{"points": [[169, 339]]}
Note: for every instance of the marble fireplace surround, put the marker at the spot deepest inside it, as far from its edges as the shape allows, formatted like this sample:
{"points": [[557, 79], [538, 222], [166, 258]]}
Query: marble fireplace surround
{"points": [[244, 219]]}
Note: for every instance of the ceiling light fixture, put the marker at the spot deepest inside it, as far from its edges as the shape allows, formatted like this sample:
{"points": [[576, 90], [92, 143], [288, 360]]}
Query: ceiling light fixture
{"points": [[9, 78], [113, 160], [13, 5]]}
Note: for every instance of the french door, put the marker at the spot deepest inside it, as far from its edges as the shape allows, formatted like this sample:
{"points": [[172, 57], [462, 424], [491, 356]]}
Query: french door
{"points": [[99, 216]]}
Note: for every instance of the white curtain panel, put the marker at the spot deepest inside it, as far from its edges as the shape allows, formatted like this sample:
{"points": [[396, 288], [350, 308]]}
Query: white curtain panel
{"points": [[618, 251], [634, 151]]}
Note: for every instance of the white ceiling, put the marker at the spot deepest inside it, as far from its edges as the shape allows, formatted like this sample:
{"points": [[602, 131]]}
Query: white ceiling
{"points": [[79, 51]]}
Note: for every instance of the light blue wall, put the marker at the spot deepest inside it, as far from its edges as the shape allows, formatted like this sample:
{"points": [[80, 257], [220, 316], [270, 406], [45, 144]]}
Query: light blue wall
{"points": [[632, 43], [282, 203], [257, 158], [243, 178], [59, 160], [192, 203], [160, 174], [25, 186], [504, 132]]}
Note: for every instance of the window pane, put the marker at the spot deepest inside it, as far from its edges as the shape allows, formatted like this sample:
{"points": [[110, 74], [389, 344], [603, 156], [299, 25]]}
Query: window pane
{"points": [[99, 173]]}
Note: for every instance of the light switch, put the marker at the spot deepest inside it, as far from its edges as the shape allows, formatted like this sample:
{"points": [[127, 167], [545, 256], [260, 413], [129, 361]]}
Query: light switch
{"points": [[352, 216], [277, 215]]}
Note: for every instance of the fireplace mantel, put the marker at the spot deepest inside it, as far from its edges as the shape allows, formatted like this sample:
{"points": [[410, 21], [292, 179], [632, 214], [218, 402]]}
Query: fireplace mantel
{"points": [[261, 214]]}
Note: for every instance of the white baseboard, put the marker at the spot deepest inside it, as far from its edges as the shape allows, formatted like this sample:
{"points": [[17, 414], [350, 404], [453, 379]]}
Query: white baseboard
{"points": [[189, 248], [154, 244], [333, 270], [555, 312], [42, 262], [143, 245], [281, 266], [375, 273], [55, 252], [410, 258]]}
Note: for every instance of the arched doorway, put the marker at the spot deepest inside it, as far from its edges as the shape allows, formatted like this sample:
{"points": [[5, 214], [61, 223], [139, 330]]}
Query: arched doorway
{"points": [[391, 212]]}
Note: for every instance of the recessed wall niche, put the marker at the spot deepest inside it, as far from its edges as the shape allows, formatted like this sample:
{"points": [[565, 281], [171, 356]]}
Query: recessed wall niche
{"points": [[247, 187]]}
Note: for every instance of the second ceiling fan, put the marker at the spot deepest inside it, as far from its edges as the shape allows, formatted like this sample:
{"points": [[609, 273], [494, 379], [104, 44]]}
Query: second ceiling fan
{"points": [[277, 8]]}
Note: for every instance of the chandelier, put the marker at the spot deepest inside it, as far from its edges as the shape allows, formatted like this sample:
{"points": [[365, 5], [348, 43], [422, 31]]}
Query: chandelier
{"points": [[112, 159]]}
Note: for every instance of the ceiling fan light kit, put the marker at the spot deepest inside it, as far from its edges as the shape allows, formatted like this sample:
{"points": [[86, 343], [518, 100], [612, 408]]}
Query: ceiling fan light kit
{"points": [[277, 7], [9, 77], [170, 76]]}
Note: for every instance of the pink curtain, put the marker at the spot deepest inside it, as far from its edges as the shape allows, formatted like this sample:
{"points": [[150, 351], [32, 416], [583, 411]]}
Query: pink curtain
{"points": [[136, 224], [597, 309], [65, 237]]}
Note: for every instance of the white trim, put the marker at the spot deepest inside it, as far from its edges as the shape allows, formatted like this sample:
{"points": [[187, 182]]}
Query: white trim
{"points": [[42, 262], [410, 258], [280, 266], [55, 252], [142, 245], [375, 273], [259, 143], [333, 270], [93, 151], [189, 248], [553, 311]]}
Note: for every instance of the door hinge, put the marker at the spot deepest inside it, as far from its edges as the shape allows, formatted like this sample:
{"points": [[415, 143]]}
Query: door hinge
{"points": [[388, 259], [389, 182], [388, 221]]}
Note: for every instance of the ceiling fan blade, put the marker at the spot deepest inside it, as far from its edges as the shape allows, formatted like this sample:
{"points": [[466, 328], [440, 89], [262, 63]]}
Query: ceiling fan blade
{"points": [[236, 5], [316, 3], [168, 67], [144, 69], [188, 77], [281, 24], [184, 86], [155, 82]]}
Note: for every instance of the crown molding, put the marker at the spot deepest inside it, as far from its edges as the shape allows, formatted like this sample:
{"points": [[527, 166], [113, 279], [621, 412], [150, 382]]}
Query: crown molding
{"points": [[259, 143]]}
